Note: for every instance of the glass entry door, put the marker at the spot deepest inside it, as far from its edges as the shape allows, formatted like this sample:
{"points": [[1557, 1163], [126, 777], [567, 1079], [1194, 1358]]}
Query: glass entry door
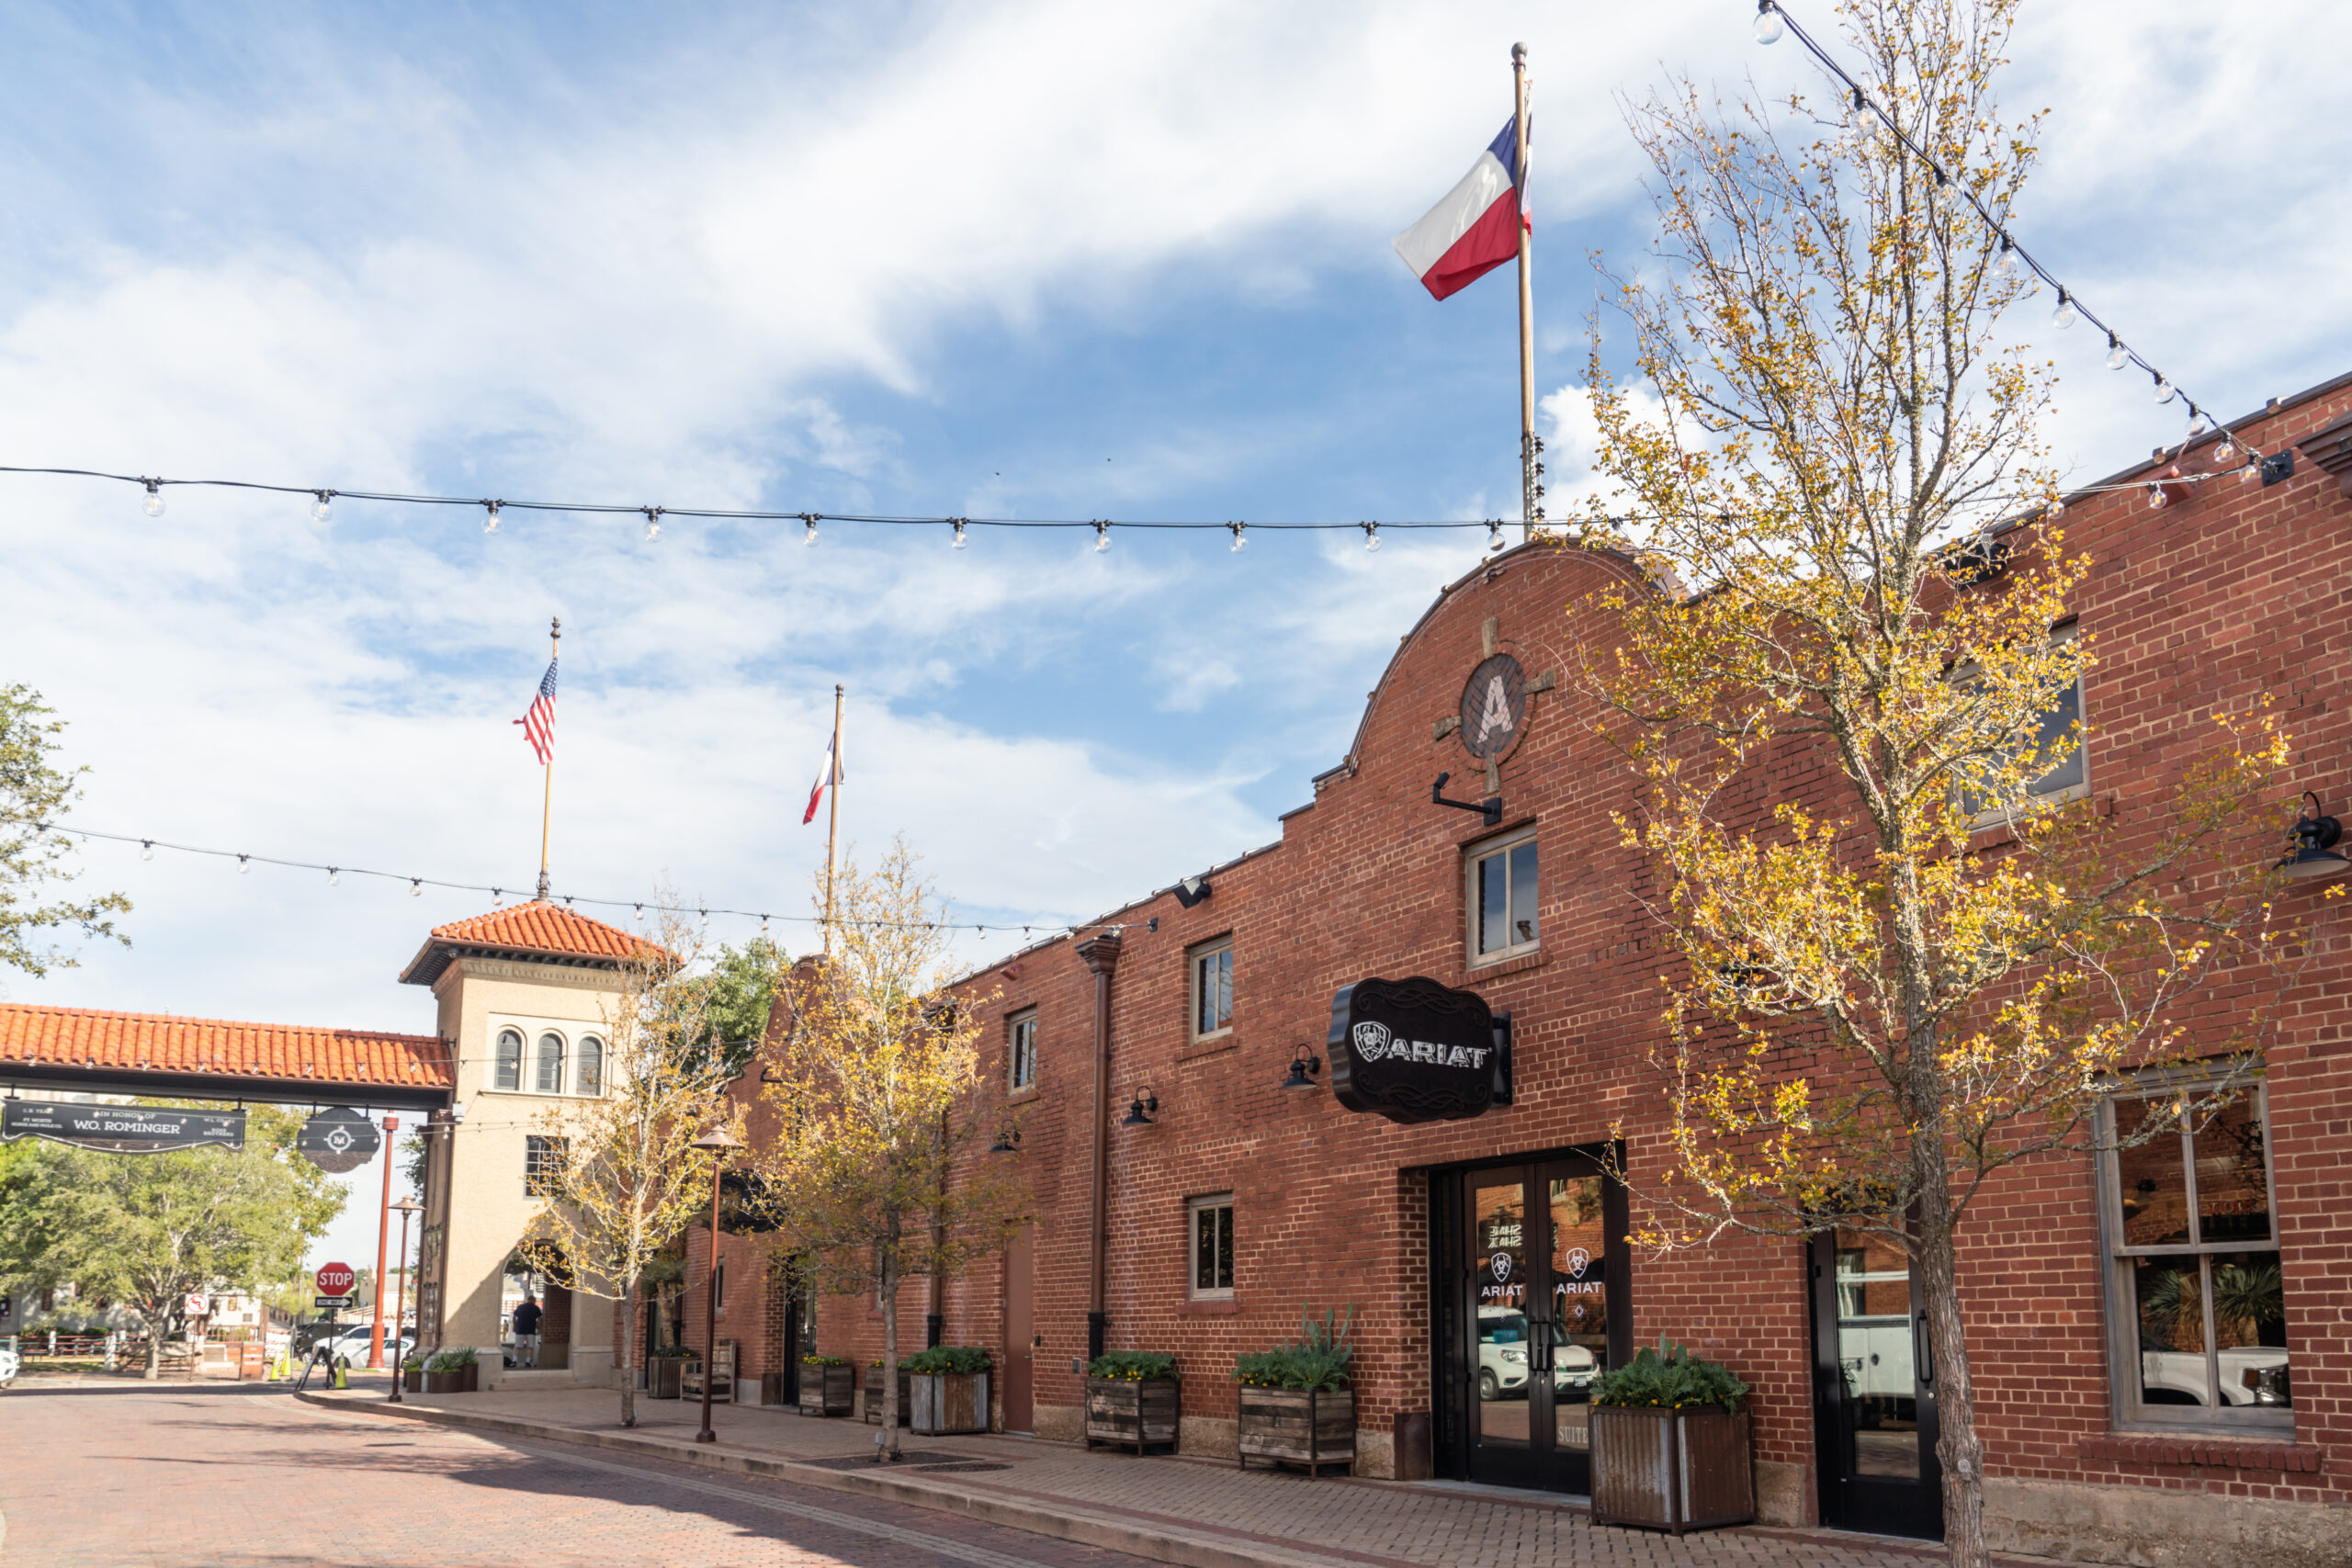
{"points": [[1874, 1390], [1538, 1266]]}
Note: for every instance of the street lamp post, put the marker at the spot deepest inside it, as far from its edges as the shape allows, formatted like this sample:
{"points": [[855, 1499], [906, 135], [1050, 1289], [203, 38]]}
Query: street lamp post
{"points": [[407, 1206], [376, 1335], [717, 1144]]}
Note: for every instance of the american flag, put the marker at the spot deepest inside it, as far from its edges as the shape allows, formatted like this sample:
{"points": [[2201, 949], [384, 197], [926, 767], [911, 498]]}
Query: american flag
{"points": [[538, 725]]}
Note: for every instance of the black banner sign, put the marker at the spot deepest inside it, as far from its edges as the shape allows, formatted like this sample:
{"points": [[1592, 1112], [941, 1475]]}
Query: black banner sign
{"points": [[1416, 1051], [339, 1139], [121, 1129]]}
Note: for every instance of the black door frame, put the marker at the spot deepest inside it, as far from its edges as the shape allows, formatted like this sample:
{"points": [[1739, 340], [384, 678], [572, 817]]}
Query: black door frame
{"points": [[1879, 1505], [1453, 1352]]}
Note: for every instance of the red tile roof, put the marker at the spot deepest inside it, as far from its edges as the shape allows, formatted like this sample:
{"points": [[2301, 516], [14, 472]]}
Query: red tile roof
{"points": [[538, 928], [160, 1043]]}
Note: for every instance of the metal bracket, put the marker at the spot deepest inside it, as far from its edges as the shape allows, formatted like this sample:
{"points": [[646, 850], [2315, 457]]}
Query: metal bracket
{"points": [[1491, 808]]}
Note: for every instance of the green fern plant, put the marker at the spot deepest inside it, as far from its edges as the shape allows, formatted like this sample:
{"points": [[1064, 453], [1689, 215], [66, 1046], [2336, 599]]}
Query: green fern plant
{"points": [[1668, 1380]]}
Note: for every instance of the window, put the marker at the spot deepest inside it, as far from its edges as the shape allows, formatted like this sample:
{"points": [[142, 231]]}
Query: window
{"points": [[2196, 1304], [550, 1078], [1502, 900], [1213, 988], [1020, 1051], [719, 1303], [1212, 1247], [2066, 778], [589, 1075], [509, 1059], [542, 1160]]}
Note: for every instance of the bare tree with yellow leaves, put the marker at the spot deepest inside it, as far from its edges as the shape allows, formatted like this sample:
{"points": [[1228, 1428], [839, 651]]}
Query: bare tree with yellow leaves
{"points": [[878, 1087], [621, 1180], [1931, 967]]}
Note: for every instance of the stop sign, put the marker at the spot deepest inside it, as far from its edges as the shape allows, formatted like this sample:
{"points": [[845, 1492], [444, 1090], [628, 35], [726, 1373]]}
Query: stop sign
{"points": [[336, 1279]]}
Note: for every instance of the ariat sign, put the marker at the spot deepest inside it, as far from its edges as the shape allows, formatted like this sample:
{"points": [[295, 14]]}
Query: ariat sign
{"points": [[1416, 1051]]}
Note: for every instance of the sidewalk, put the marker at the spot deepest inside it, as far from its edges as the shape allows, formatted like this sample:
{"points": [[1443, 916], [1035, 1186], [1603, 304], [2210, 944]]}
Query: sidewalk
{"points": [[1197, 1513]]}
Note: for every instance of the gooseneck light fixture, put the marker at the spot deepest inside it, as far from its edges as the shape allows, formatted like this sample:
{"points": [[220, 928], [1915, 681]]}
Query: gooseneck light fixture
{"points": [[1491, 808], [1141, 1108], [1303, 1065]]}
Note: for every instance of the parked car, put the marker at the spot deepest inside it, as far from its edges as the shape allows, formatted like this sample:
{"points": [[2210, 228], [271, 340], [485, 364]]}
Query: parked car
{"points": [[351, 1344], [1502, 1357], [10, 1363], [2251, 1374]]}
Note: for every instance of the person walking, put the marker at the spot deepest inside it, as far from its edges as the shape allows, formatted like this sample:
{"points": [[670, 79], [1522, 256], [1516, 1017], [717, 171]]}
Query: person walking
{"points": [[526, 1333]]}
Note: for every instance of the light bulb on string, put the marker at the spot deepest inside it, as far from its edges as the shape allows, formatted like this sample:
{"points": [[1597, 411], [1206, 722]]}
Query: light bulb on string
{"points": [[1494, 535], [2064, 317], [2055, 509], [2225, 451], [1101, 538], [1240, 536], [1768, 23], [2253, 469], [808, 528], [960, 540], [2164, 390], [153, 505], [244, 864], [490, 522], [146, 849], [415, 888], [334, 877], [322, 509], [652, 524], [2196, 422], [1370, 535], [2116, 357], [2007, 265], [2156, 498]]}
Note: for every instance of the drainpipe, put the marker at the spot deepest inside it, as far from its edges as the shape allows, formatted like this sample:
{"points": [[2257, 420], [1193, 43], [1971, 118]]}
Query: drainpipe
{"points": [[1101, 955]]}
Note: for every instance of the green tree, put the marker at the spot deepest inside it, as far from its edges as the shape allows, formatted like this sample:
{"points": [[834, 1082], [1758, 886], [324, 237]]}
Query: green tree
{"points": [[148, 1230], [35, 793], [739, 988]]}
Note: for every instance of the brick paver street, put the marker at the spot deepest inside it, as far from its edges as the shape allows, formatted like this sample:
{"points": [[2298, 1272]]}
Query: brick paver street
{"points": [[116, 1476], [239, 1475]]}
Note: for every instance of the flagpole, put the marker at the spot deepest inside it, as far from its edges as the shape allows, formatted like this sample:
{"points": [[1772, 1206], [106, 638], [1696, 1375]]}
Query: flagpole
{"points": [[547, 799], [1531, 507], [833, 816]]}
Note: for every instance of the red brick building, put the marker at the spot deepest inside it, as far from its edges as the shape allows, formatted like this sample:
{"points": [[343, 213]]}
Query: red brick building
{"points": [[2117, 1421]]}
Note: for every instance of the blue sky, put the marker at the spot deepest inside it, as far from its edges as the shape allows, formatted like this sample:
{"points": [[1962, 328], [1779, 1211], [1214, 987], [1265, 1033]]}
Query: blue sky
{"points": [[1026, 259]]}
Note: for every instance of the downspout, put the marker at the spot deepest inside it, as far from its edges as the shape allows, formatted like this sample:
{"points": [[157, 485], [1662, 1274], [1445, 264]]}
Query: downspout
{"points": [[1101, 955]]}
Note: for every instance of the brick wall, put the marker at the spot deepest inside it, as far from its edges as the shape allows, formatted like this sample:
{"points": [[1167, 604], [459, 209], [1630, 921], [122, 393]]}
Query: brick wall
{"points": [[2236, 592]]}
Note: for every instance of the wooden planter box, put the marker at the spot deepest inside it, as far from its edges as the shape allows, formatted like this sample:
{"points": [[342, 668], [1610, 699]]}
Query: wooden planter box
{"points": [[1139, 1415], [464, 1380], [828, 1391], [950, 1402], [663, 1374], [873, 1411], [411, 1377], [1293, 1425], [1672, 1470]]}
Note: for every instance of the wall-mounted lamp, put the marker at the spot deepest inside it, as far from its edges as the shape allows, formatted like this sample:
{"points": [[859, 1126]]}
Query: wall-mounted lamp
{"points": [[1191, 890], [1303, 1065], [1140, 1109], [1490, 808], [2316, 835], [1008, 1139]]}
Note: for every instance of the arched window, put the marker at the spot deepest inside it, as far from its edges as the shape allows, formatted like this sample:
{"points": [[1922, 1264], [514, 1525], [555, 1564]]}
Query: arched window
{"points": [[550, 1063], [508, 1060], [589, 1075]]}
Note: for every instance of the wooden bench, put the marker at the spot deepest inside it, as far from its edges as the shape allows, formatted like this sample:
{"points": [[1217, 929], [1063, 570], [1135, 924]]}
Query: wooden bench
{"points": [[722, 1386]]}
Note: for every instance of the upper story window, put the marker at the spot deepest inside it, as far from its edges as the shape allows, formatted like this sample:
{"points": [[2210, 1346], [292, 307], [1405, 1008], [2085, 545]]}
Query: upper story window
{"points": [[1212, 1247], [1020, 1051], [2056, 740], [2196, 1303], [527, 1056], [1502, 899], [1213, 988], [548, 1080], [589, 1060], [542, 1160]]}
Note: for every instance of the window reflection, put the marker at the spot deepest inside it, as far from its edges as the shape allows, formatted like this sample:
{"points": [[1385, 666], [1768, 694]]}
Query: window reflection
{"points": [[2155, 1193], [2233, 1180], [1874, 1288]]}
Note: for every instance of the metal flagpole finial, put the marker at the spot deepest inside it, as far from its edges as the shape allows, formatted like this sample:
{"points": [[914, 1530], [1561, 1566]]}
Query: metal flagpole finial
{"points": [[1518, 54], [555, 627]]}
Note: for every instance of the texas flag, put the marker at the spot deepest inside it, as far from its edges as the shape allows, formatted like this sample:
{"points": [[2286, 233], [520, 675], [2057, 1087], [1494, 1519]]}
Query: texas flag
{"points": [[831, 773], [1471, 232]]}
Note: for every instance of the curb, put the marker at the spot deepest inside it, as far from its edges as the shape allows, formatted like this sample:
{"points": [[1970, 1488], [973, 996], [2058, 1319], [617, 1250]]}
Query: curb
{"points": [[1162, 1545]]}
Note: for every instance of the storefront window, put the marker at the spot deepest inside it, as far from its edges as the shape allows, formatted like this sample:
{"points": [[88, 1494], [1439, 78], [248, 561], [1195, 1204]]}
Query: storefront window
{"points": [[1502, 901], [2196, 1294]]}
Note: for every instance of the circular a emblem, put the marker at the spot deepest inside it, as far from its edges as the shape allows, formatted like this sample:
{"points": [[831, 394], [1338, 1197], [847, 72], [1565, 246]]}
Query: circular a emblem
{"points": [[1500, 1264], [1578, 1260], [1371, 1040], [1494, 708]]}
